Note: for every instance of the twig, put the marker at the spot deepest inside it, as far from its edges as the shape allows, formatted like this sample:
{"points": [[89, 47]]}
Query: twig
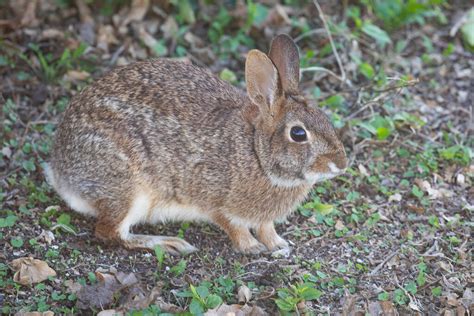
{"points": [[336, 54], [315, 68], [380, 266], [309, 33]]}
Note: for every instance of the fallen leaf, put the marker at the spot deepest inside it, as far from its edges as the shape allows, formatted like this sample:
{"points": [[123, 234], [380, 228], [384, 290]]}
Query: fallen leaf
{"points": [[244, 294], [30, 270], [47, 313], [51, 34], [76, 75], [170, 28], [110, 312], [388, 308], [47, 236], [277, 16], [397, 197], [363, 170], [29, 16], [106, 37], [236, 310], [348, 305], [73, 287], [339, 225], [137, 11], [86, 28]]}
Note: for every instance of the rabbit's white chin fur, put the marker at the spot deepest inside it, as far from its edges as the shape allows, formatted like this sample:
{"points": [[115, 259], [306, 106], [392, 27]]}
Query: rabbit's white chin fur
{"points": [[315, 177], [310, 178]]}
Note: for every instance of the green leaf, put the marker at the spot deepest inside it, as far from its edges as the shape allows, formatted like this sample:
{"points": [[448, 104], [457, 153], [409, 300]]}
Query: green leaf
{"points": [[64, 219], [310, 293], [411, 287], [228, 75], [384, 296], [29, 165], [416, 191], [196, 308], [186, 12], [213, 301], [8, 221], [334, 101], [436, 291], [367, 70], [160, 48], [379, 35], [160, 254], [202, 291], [467, 30], [284, 305], [383, 133], [16, 242], [323, 209]]}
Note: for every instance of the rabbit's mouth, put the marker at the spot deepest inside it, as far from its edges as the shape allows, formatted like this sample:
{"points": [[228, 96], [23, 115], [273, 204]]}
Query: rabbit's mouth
{"points": [[315, 177]]}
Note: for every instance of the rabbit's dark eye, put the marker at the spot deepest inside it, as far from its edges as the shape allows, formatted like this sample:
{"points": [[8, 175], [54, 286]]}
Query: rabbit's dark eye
{"points": [[298, 134]]}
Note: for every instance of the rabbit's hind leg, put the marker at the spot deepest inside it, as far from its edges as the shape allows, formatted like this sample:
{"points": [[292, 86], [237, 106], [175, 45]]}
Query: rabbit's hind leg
{"points": [[116, 227]]}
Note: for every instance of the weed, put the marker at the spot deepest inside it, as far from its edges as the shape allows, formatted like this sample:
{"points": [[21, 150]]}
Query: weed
{"points": [[289, 298]]}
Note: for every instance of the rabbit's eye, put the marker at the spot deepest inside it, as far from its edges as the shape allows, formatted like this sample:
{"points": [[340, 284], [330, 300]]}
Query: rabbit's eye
{"points": [[298, 134]]}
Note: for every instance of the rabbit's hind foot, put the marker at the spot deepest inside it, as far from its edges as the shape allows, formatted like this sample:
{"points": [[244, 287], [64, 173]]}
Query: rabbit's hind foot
{"points": [[172, 245]]}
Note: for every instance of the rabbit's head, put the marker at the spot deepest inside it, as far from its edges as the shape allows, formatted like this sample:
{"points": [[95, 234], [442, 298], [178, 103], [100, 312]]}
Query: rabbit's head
{"points": [[294, 140]]}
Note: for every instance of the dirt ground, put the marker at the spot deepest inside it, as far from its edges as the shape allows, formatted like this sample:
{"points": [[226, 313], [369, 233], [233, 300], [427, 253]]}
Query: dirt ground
{"points": [[391, 236]]}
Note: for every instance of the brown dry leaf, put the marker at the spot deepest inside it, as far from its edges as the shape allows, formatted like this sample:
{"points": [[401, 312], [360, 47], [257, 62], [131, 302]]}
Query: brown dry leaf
{"points": [[47, 313], [170, 28], [29, 17], [397, 197], [339, 225], [106, 37], [100, 294], [76, 75], [468, 299], [51, 34], [348, 305], [113, 286], [236, 310], [277, 16], [73, 287], [110, 312], [30, 270], [388, 308], [147, 38], [137, 11], [375, 308], [244, 294], [363, 170], [86, 29]]}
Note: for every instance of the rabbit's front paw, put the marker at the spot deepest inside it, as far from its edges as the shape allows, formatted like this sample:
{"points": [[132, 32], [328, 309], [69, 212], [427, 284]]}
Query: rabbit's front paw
{"points": [[250, 246], [268, 236]]}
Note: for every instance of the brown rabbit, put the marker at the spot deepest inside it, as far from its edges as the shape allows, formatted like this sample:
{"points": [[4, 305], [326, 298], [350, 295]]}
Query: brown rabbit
{"points": [[163, 140]]}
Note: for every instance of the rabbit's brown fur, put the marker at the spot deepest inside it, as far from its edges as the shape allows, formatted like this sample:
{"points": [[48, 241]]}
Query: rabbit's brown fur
{"points": [[165, 140]]}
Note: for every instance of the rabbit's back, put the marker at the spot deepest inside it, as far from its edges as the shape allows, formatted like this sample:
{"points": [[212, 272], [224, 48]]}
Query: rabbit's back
{"points": [[162, 124]]}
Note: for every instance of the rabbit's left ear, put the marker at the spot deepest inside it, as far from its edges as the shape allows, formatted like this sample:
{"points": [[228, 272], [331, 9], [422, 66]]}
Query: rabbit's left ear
{"points": [[262, 81], [285, 56]]}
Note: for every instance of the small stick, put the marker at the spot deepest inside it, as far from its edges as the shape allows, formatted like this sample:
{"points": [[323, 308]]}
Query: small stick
{"points": [[315, 68], [321, 15], [380, 266]]}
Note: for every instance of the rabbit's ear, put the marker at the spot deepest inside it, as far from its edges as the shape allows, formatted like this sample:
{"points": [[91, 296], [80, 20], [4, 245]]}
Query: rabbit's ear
{"points": [[262, 79], [285, 56]]}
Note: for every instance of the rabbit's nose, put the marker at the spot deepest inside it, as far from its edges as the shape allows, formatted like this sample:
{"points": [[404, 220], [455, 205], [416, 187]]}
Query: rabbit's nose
{"points": [[338, 162]]}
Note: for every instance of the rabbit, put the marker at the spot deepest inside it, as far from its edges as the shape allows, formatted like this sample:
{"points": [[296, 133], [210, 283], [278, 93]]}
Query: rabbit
{"points": [[164, 140]]}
